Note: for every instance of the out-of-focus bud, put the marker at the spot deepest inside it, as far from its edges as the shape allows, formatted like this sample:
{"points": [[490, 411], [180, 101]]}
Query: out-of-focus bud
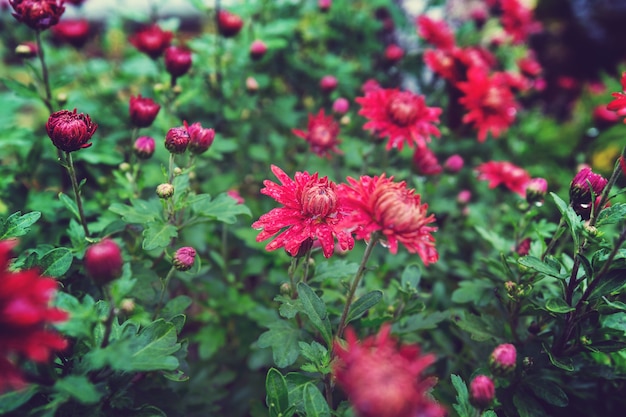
{"points": [[144, 147], [324, 5], [482, 391], [27, 50], [103, 261], [581, 188], [328, 83], [184, 258], [228, 24], [503, 359], [177, 61], [142, 111], [252, 85], [62, 99], [152, 41], [285, 288], [38, 15], [177, 171], [425, 162], [258, 48], [341, 105], [127, 305], [72, 31], [125, 167], [234, 194], [393, 54], [200, 139], [536, 190], [165, 191], [177, 140], [464, 197], [454, 164], [523, 247]]}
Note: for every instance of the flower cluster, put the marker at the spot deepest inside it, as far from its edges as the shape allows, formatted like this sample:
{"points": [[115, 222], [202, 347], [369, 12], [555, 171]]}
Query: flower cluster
{"points": [[383, 379], [25, 315]]}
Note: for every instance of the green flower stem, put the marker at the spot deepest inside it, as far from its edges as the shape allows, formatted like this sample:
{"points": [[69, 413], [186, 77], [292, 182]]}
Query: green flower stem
{"points": [[79, 202], [307, 262], [557, 234], [44, 73], [170, 170], [108, 323], [292, 272], [164, 285], [617, 169], [355, 284]]}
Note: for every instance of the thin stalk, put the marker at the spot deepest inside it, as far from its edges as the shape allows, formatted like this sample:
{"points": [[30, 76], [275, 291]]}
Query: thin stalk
{"points": [[164, 285], [617, 169], [44, 73], [108, 324], [355, 284], [557, 234], [292, 280], [79, 202], [307, 262]]}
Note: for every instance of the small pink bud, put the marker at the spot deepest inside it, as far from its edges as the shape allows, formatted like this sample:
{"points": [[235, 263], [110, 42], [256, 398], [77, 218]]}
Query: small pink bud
{"points": [[144, 147], [454, 164], [328, 83], [324, 5], [581, 188], [464, 197], [142, 111], [72, 31], [482, 391], [257, 49], [228, 24], [177, 61], [177, 140], [393, 53], [103, 261], [234, 194], [425, 162], [503, 358], [523, 247], [341, 105], [252, 85], [184, 258], [536, 190]]}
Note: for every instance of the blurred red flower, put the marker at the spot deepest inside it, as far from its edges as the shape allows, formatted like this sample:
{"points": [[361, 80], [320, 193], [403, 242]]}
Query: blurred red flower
{"points": [[619, 102], [435, 32], [24, 315], [152, 41], [72, 31], [489, 101], [311, 210], [401, 115], [321, 135], [504, 173], [378, 204], [517, 20], [383, 379]]}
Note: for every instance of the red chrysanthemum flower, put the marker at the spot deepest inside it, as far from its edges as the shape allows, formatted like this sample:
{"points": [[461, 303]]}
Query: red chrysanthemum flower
{"points": [[152, 41], [38, 14], [435, 32], [321, 135], [383, 379], [425, 161], [517, 20], [378, 204], [504, 173], [24, 314], [489, 101], [401, 115], [311, 211], [619, 102]]}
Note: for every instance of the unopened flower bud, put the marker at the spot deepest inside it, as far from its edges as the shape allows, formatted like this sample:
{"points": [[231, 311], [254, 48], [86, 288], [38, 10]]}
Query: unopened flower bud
{"points": [[27, 50], [144, 147], [61, 99], [324, 5], [228, 24], [142, 111], [536, 190], [328, 83], [464, 197], [165, 191], [177, 171], [177, 140], [184, 258], [258, 48], [70, 131], [124, 167], [425, 162], [200, 139], [482, 391], [454, 164], [127, 305], [393, 54], [581, 188], [341, 105], [252, 85], [72, 31], [523, 247], [177, 61], [503, 359], [285, 288], [103, 261]]}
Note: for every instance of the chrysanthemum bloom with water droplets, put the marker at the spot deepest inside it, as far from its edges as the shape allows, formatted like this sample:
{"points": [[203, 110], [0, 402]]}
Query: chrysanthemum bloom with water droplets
{"points": [[382, 379], [321, 135], [380, 205], [311, 210], [504, 173], [25, 314], [400, 115], [490, 104]]}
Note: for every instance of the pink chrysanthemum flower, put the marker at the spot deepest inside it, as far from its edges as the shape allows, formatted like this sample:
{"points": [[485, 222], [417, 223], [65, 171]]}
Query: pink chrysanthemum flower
{"points": [[25, 314], [321, 135], [401, 115], [435, 32], [490, 104], [504, 173], [618, 104], [378, 204], [517, 20], [311, 211], [382, 379]]}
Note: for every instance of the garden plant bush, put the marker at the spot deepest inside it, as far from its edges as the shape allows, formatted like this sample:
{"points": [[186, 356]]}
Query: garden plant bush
{"points": [[307, 208]]}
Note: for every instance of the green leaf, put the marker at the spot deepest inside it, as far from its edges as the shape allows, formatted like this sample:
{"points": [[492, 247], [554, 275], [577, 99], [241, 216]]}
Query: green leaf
{"points": [[566, 366], [615, 321], [611, 215], [56, 262], [476, 291], [538, 265], [158, 235], [476, 326], [277, 396], [80, 388], [558, 305], [614, 280], [314, 402], [22, 90], [70, 205], [335, 270], [573, 220], [14, 399], [489, 413], [497, 241], [223, 208], [549, 391], [210, 339], [422, 321], [527, 406], [82, 315], [411, 276], [288, 306], [141, 212], [462, 406], [362, 304], [315, 309], [176, 306], [283, 338], [618, 305], [17, 225]]}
